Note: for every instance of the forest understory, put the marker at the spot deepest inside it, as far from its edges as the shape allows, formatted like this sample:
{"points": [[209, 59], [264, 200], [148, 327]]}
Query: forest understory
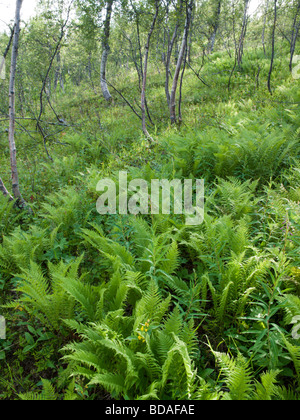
{"points": [[145, 307]]}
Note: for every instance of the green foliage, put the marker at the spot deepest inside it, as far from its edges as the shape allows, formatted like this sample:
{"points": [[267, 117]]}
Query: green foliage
{"points": [[137, 362], [48, 393], [238, 377], [145, 307]]}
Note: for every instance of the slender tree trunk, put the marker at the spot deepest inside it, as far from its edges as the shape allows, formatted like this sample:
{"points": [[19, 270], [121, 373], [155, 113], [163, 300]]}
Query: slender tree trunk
{"points": [[135, 62], [295, 32], [190, 43], [264, 28], [181, 84], [243, 34], [106, 50], [139, 42], [12, 146], [168, 61], [140, 67], [273, 46], [171, 44], [216, 25], [57, 75], [2, 63], [45, 81], [181, 57], [143, 95]]}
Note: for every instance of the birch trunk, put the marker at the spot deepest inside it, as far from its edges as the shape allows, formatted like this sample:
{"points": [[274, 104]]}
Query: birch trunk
{"points": [[179, 63], [143, 95], [243, 34], [273, 47], [12, 146], [171, 43], [216, 27], [295, 32], [168, 61], [106, 50]]}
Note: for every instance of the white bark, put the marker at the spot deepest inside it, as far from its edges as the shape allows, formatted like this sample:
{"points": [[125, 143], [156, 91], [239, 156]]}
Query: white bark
{"points": [[12, 144]]}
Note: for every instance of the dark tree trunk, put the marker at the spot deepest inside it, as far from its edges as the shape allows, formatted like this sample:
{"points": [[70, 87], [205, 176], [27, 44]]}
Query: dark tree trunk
{"points": [[2, 63]]}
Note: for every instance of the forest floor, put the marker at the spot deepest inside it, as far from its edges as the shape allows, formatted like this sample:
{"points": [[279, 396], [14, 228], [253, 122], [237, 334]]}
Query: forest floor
{"points": [[102, 307]]}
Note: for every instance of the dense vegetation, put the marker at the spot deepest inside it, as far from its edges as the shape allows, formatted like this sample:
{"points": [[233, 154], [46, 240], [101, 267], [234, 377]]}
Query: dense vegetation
{"points": [[145, 307]]}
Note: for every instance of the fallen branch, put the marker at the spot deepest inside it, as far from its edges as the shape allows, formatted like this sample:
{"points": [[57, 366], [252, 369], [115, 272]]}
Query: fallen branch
{"points": [[123, 97], [197, 75]]}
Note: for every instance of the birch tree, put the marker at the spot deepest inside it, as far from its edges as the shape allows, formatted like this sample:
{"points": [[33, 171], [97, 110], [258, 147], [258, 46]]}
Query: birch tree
{"points": [[295, 33], [12, 145], [216, 24], [145, 72], [240, 51], [106, 49], [171, 43], [181, 56], [273, 46]]}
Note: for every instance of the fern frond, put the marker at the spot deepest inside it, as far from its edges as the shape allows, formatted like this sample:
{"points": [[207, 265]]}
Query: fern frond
{"points": [[294, 352], [237, 376], [179, 348], [112, 382], [267, 388], [48, 393]]}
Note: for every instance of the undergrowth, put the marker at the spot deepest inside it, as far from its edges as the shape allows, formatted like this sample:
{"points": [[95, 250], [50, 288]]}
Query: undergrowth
{"points": [[132, 307]]}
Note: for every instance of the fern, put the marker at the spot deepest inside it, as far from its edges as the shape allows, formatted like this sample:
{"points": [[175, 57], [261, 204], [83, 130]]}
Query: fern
{"points": [[9, 217], [20, 248], [49, 393], [49, 305], [187, 373], [267, 388], [294, 352], [235, 197], [237, 375], [107, 247], [129, 359]]}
